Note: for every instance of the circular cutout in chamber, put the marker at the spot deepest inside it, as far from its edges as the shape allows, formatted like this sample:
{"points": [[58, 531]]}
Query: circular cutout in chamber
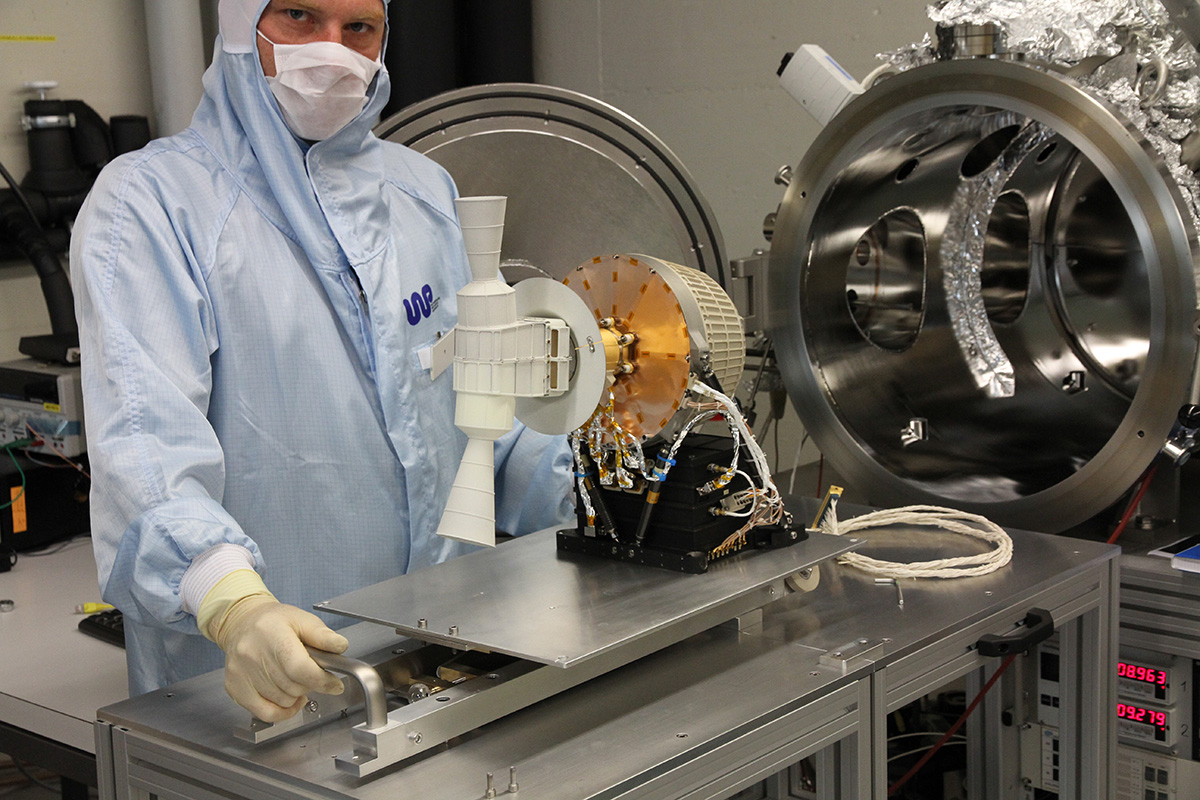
{"points": [[885, 281], [1005, 272]]}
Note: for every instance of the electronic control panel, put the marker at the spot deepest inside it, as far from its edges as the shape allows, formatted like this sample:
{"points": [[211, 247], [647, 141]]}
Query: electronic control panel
{"points": [[1153, 717], [1153, 678], [1146, 725], [1154, 700], [43, 402]]}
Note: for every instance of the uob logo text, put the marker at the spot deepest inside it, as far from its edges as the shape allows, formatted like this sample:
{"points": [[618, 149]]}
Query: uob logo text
{"points": [[420, 305]]}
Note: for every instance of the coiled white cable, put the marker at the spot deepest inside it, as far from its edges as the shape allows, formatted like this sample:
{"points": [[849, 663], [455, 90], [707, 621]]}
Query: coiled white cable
{"points": [[947, 519]]}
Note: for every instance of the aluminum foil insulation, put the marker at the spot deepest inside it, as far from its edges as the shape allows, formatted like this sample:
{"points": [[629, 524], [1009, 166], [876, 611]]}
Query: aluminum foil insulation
{"points": [[1067, 31], [1115, 48], [962, 258]]}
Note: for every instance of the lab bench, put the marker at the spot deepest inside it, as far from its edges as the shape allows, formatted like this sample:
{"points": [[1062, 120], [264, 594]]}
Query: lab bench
{"points": [[52, 677], [706, 717]]}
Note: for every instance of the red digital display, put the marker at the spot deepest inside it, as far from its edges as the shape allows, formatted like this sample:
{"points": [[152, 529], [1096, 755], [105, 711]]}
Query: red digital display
{"points": [[1137, 672], [1146, 716]]}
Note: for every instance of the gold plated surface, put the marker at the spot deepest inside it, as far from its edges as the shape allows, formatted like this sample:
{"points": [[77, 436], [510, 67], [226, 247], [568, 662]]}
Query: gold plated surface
{"points": [[640, 302]]}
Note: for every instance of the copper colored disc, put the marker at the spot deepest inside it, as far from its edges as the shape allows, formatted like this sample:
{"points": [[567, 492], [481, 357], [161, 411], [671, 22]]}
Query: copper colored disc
{"points": [[640, 302]]}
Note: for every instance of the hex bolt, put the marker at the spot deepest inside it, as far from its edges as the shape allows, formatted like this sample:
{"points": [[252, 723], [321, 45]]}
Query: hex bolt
{"points": [[512, 780], [311, 707], [491, 787], [454, 630], [422, 623], [414, 737]]}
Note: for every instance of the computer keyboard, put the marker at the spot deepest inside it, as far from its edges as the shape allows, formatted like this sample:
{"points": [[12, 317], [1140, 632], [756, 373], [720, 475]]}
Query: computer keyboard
{"points": [[106, 625]]}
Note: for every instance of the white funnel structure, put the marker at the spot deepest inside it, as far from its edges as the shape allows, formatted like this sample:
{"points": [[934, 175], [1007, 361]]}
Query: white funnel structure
{"points": [[486, 307]]}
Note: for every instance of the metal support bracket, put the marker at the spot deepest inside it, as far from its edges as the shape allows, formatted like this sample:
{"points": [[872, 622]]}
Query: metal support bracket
{"points": [[748, 289], [852, 654]]}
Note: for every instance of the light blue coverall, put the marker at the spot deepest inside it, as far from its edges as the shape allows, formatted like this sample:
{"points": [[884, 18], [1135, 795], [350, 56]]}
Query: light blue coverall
{"points": [[251, 310]]}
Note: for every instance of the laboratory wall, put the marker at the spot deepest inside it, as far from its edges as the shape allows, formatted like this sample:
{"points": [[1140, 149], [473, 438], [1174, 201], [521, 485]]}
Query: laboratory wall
{"points": [[701, 75], [97, 52]]}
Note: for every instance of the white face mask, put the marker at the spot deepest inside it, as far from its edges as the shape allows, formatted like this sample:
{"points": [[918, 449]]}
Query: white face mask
{"points": [[320, 86]]}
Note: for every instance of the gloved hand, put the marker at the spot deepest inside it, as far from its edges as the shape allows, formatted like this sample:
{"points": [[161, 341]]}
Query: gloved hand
{"points": [[267, 670]]}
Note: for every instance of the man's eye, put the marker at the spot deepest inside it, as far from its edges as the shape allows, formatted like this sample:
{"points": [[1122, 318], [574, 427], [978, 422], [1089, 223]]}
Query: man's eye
{"points": [[360, 27], [296, 14]]}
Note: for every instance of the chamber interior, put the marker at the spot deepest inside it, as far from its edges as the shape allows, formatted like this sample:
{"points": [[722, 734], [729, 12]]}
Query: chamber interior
{"points": [[971, 268]]}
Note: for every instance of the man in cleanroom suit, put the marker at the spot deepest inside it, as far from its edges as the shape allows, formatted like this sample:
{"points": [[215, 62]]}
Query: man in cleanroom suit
{"points": [[256, 405]]}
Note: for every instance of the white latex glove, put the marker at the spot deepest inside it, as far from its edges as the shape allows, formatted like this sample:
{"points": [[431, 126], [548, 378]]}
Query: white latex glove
{"points": [[267, 670]]}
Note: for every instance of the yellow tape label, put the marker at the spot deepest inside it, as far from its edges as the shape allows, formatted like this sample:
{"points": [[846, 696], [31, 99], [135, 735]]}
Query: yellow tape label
{"points": [[55, 407], [19, 37], [20, 525]]}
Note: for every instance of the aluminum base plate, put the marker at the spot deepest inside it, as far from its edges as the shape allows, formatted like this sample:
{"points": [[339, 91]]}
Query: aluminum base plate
{"points": [[527, 599]]}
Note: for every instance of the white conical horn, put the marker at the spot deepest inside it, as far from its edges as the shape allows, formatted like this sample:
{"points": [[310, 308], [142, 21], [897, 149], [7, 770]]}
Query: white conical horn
{"points": [[485, 304], [470, 514], [482, 221]]}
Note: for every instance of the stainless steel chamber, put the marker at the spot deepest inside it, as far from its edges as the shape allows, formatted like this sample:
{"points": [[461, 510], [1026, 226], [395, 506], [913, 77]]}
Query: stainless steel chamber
{"points": [[983, 282], [582, 178]]}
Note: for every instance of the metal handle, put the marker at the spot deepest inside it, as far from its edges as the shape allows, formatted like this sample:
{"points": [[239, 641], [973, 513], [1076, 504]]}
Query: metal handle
{"points": [[1037, 627], [368, 678]]}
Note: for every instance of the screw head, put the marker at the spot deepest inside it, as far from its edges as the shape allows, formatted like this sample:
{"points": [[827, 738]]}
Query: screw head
{"points": [[311, 706]]}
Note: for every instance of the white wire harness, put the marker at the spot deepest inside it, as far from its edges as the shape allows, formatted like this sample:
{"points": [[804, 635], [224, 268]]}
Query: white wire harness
{"points": [[947, 519], [766, 504], [618, 460]]}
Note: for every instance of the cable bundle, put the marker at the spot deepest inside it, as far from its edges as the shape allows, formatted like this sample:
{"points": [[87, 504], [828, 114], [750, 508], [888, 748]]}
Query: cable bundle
{"points": [[948, 519]]}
